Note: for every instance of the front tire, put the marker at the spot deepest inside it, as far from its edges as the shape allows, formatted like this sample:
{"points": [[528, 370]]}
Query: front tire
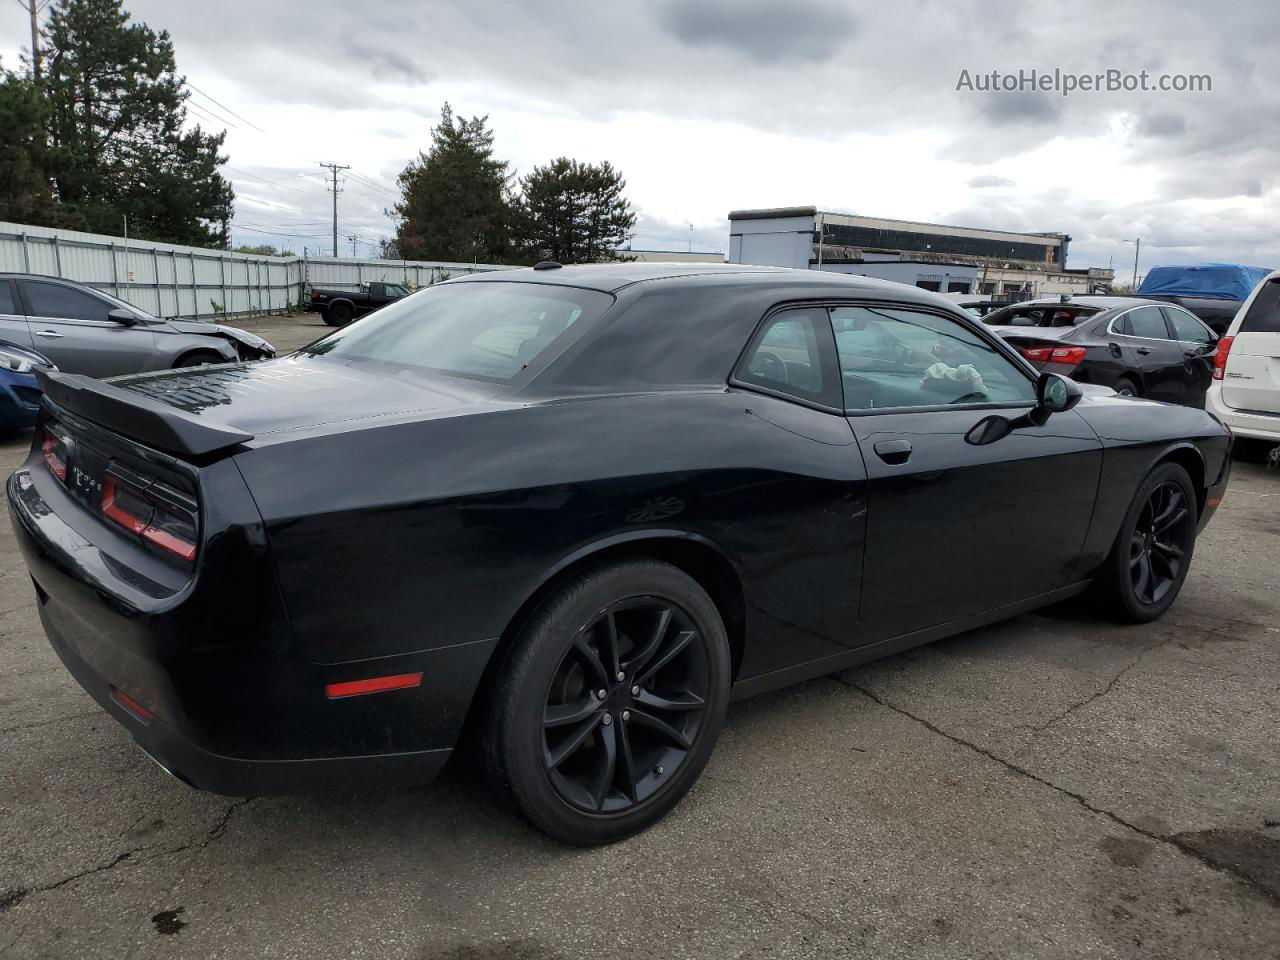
{"points": [[610, 703], [1152, 552], [198, 358]]}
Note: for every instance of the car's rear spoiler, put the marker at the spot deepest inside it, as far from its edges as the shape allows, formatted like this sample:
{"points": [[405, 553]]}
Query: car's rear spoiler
{"points": [[140, 418]]}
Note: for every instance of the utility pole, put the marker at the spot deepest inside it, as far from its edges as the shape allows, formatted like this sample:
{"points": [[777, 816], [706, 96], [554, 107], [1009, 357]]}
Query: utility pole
{"points": [[33, 8], [1137, 247], [822, 236], [333, 168]]}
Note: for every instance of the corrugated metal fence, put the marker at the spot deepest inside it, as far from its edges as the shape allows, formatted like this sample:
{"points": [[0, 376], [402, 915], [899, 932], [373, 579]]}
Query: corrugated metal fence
{"points": [[175, 281]]}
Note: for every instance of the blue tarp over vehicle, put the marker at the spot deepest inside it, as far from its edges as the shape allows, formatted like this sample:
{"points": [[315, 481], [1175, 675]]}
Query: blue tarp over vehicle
{"points": [[1214, 281]]}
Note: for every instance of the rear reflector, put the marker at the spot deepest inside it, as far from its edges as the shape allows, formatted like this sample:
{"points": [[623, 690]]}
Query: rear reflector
{"points": [[1220, 357], [132, 705], [356, 688]]}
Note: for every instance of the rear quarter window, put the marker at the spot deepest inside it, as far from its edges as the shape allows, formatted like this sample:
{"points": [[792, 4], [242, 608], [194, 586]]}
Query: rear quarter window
{"points": [[1264, 312], [481, 330]]}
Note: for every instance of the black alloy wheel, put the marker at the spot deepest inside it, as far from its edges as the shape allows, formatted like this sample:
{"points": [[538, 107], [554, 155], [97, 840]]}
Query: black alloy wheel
{"points": [[1158, 547], [625, 705], [609, 701], [1153, 549]]}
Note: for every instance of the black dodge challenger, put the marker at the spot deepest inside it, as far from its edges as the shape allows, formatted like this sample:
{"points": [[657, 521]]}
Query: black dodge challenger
{"points": [[567, 514]]}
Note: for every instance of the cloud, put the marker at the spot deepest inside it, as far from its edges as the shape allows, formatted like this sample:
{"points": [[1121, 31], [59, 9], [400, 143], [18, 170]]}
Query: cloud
{"points": [[1161, 125], [989, 180], [712, 105], [802, 31]]}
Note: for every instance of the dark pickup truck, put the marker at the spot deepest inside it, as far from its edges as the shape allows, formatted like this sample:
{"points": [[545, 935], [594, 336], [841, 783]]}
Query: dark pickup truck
{"points": [[1212, 291], [339, 307]]}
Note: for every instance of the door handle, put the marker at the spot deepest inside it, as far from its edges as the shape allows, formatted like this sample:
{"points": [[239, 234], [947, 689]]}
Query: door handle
{"points": [[893, 451], [48, 335], [1144, 350]]}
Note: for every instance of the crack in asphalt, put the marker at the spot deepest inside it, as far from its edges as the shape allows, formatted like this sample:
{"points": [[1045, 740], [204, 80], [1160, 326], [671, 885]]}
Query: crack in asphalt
{"points": [[1172, 841], [13, 897], [1098, 695]]}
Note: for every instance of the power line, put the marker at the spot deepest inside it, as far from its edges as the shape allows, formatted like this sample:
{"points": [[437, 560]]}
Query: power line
{"points": [[223, 106], [274, 183], [208, 115]]}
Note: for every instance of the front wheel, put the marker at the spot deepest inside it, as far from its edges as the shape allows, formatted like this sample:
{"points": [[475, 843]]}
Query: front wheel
{"points": [[1153, 550], [610, 703]]}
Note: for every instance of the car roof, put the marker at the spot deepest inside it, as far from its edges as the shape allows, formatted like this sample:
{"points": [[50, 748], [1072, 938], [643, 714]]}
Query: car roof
{"points": [[612, 277]]}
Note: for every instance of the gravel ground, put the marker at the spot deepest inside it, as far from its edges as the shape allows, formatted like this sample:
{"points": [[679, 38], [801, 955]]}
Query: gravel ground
{"points": [[1054, 786]]}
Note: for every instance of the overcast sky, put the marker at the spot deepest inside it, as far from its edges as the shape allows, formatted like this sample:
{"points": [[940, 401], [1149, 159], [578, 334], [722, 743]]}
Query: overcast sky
{"points": [[713, 105]]}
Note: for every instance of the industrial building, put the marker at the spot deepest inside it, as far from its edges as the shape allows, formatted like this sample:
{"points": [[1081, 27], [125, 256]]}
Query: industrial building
{"points": [[928, 255]]}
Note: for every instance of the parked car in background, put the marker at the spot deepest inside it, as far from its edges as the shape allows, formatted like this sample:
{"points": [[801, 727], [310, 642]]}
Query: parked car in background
{"points": [[1245, 394], [978, 304], [19, 392], [337, 308], [595, 503], [1138, 347], [1212, 291], [83, 330]]}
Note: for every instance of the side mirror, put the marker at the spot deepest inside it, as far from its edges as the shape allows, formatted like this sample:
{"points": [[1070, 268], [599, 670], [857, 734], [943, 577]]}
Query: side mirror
{"points": [[122, 317], [1056, 394], [989, 430]]}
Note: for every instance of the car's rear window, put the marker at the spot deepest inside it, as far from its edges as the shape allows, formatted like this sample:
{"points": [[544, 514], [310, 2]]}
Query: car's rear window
{"points": [[1264, 312], [485, 330]]}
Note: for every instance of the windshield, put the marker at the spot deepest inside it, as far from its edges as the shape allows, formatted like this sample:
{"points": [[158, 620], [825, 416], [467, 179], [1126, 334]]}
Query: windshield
{"points": [[482, 330]]}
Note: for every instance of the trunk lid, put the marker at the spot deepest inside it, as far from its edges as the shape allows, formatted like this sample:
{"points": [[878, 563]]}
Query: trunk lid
{"points": [[275, 398]]}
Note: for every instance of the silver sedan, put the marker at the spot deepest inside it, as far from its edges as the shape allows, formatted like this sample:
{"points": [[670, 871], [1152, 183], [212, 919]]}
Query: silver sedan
{"points": [[84, 330]]}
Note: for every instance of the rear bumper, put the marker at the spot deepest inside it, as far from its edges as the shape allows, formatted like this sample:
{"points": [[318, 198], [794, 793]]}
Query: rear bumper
{"points": [[230, 707], [238, 777], [1253, 424]]}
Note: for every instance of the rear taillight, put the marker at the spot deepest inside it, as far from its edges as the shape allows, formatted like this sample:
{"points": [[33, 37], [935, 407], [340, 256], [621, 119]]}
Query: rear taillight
{"points": [[53, 446], [1220, 358], [1070, 356], [158, 514]]}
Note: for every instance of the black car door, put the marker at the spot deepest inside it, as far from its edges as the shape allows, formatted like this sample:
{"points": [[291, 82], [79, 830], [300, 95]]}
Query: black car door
{"points": [[953, 528], [1150, 351], [1197, 342]]}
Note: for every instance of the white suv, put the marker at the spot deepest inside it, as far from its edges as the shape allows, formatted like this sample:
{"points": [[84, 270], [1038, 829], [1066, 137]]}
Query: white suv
{"points": [[1245, 394]]}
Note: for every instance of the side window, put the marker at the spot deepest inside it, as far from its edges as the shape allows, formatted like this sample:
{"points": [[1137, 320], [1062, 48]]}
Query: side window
{"points": [[891, 357], [1146, 322], [791, 354], [7, 305], [1186, 327], [55, 300]]}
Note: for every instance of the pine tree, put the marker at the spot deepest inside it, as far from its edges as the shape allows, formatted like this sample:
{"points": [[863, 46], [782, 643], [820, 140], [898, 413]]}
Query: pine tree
{"points": [[574, 212], [454, 203], [115, 130], [25, 194]]}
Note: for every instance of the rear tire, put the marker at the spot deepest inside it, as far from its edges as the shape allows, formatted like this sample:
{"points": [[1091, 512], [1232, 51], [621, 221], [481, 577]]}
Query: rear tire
{"points": [[198, 358], [1153, 550], [1127, 387], [338, 315], [586, 769]]}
